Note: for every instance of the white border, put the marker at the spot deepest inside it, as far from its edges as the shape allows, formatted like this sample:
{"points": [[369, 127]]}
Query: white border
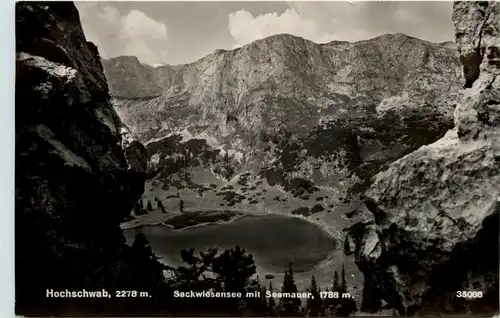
{"points": [[7, 76], [7, 120]]}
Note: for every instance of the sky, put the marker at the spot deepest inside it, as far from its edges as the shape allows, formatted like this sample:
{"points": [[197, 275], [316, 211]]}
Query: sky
{"points": [[182, 32]]}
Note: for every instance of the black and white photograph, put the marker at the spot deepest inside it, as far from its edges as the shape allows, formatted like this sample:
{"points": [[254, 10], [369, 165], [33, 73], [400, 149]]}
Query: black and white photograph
{"points": [[257, 158]]}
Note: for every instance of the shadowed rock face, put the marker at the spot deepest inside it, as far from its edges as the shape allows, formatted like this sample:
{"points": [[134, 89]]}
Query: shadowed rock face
{"points": [[78, 168], [436, 210]]}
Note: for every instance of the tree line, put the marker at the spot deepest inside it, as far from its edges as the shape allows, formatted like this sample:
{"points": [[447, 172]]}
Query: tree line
{"points": [[139, 208]]}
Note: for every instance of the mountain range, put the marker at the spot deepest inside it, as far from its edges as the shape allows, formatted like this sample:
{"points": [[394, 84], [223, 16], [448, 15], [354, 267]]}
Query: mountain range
{"points": [[295, 113]]}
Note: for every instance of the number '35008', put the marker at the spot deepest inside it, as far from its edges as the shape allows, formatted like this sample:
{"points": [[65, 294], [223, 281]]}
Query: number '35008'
{"points": [[469, 294]]}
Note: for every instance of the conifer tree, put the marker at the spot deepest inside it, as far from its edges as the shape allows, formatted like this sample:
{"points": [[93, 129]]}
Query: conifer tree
{"points": [[347, 247], [271, 302], [342, 306], [336, 282], [233, 268], [285, 282], [290, 306], [260, 305], [159, 204], [263, 299], [343, 284], [332, 302], [138, 209], [141, 246], [257, 304], [190, 275], [147, 262], [314, 306], [149, 207]]}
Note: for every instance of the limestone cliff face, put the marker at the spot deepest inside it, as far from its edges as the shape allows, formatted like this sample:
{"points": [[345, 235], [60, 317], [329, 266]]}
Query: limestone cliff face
{"points": [[131, 79], [436, 210], [296, 109], [78, 168], [286, 80]]}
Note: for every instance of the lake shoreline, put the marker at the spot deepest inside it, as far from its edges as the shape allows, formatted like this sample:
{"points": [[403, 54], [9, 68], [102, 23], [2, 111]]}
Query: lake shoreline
{"points": [[206, 224], [274, 240], [158, 218], [169, 219]]}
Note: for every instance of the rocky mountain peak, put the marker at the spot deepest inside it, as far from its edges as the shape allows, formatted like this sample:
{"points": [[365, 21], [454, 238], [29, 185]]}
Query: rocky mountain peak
{"points": [[129, 74], [286, 87], [126, 59], [390, 70], [283, 38]]}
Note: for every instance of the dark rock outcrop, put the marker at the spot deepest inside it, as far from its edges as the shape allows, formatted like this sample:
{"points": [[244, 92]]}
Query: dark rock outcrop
{"points": [[436, 211], [78, 168]]}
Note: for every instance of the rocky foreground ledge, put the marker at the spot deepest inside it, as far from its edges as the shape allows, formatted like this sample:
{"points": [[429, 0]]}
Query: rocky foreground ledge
{"points": [[435, 229]]}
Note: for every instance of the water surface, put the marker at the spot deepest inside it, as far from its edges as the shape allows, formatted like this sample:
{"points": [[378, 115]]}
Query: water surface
{"points": [[273, 240]]}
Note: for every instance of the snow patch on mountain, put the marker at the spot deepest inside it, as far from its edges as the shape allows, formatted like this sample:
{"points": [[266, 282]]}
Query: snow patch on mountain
{"points": [[159, 65]]}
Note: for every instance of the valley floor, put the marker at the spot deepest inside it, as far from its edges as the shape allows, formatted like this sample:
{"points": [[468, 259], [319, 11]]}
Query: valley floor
{"points": [[327, 211], [223, 203], [201, 220]]}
